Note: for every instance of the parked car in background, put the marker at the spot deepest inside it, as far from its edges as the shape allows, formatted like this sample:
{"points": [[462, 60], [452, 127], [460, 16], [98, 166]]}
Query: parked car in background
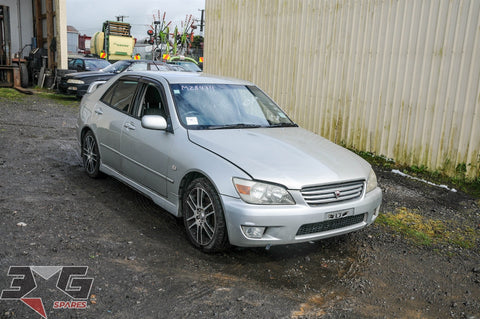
{"points": [[188, 66], [87, 64], [187, 63], [77, 83], [220, 154]]}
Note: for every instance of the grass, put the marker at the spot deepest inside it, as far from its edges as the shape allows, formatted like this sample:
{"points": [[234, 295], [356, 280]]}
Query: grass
{"points": [[427, 232], [458, 181], [12, 94], [67, 100]]}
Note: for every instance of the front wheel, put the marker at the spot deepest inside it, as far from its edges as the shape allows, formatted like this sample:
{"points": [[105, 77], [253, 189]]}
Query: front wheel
{"points": [[203, 216], [90, 155]]}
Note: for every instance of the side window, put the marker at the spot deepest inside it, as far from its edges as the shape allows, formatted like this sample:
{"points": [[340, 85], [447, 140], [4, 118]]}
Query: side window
{"points": [[120, 95], [152, 102]]}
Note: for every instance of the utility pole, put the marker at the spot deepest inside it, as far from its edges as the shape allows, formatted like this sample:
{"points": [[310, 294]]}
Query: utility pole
{"points": [[157, 40], [202, 20]]}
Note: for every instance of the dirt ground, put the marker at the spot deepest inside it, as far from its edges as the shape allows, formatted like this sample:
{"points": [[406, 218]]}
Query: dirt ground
{"points": [[144, 267]]}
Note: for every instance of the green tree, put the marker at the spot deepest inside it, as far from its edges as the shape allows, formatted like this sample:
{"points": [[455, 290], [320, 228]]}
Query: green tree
{"points": [[197, 42]]}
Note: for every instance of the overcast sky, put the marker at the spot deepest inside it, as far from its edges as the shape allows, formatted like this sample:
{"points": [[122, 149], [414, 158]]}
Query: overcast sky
{"points": [[87, 16]]}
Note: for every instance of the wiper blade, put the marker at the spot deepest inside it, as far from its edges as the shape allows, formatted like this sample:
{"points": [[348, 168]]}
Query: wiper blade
{"points": [[284, 125], [232, 126]]}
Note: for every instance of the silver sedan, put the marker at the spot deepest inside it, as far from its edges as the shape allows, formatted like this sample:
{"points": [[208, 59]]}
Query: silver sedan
{"points": [[220, 154]]}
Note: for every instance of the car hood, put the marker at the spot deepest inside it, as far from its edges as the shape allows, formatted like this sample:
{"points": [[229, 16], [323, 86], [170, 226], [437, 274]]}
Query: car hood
{"points": [[293, 157], [90, 74]]}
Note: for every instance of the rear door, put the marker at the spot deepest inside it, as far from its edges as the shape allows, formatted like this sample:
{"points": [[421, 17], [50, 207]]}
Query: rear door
{"points": [[112, 112]]}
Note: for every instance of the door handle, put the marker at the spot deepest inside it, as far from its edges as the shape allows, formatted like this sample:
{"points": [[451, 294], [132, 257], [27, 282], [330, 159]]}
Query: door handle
{"points": [[129, 126], [99, 111]]}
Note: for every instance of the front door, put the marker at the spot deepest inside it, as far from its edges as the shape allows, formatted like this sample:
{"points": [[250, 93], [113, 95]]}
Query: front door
{"points": [[145, 151]]}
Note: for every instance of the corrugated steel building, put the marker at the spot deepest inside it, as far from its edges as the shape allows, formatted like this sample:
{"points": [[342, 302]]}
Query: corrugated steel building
{"points": [[21, 19], [394, 77], [39, 24], [72, 40]]}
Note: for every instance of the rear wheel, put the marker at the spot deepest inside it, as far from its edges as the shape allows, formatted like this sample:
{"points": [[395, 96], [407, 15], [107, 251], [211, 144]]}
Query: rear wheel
{"points": [[203, 216], [90, 155]]}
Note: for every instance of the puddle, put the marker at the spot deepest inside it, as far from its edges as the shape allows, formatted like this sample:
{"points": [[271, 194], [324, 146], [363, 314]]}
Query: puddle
{"points": [[307, 267]]}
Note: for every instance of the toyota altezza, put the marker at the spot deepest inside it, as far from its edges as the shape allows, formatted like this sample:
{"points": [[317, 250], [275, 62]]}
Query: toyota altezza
{"points": [[221, 155]]}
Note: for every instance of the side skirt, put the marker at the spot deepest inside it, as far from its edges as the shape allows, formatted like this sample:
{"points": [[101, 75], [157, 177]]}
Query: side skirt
{"points": [[155, 197]]}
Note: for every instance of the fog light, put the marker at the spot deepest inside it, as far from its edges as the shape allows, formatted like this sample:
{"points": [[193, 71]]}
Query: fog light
{"points": [[253, 232], [375, 214]]}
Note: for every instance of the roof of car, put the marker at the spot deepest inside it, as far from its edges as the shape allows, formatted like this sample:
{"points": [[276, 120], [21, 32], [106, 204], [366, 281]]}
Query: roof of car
{"points": [[142, 60], [175, 77], [85, 58]]}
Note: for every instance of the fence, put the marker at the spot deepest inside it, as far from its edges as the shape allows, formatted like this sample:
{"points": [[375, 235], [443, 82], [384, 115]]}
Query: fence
{"points": [[397, 78]]}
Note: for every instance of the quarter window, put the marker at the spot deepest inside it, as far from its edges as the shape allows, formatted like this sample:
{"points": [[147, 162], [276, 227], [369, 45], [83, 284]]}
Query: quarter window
{"points": [[78, 65]]}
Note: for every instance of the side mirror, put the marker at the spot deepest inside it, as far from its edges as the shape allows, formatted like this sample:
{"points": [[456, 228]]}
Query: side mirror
{"points": [[154, 122]]}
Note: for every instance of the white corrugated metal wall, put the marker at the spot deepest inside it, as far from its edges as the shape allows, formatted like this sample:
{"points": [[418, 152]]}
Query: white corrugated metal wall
{"points": [[398, 78]]}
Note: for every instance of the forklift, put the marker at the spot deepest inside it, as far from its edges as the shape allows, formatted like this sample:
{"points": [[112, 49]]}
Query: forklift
{"points": [[13, 71]]}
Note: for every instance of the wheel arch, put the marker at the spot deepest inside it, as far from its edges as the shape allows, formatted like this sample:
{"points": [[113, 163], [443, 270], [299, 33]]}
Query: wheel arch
{"points": [[186, 180], [84, 131], [220, 237], [97, 173]]}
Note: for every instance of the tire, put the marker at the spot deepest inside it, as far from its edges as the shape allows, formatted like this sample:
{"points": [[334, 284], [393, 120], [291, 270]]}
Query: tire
{"points": [[203, 217], [91, 155]]}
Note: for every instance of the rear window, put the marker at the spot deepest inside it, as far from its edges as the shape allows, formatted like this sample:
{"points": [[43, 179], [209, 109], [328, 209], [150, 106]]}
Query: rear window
{"points": [[96, 64]]}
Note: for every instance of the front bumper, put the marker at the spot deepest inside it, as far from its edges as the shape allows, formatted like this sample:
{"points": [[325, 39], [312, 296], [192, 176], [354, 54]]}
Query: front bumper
{"points": [[77, 89], [283, 222]]}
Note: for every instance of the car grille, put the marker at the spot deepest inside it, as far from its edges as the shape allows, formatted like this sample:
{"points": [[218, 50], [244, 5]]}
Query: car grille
{"points": [[326, 194], [330, 224]]}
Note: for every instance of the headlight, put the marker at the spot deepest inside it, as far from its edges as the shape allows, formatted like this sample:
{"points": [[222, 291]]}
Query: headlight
{"points": [[254, 192], [372, 181], [75, 81]]}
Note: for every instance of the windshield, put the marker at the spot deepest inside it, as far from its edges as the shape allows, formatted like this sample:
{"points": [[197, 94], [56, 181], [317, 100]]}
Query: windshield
{"points": [[117, 67], [220, 106]]}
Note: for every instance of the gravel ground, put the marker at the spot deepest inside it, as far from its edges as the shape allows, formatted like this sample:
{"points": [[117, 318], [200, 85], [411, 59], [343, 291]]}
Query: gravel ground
{"points": [[144, 267]]}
